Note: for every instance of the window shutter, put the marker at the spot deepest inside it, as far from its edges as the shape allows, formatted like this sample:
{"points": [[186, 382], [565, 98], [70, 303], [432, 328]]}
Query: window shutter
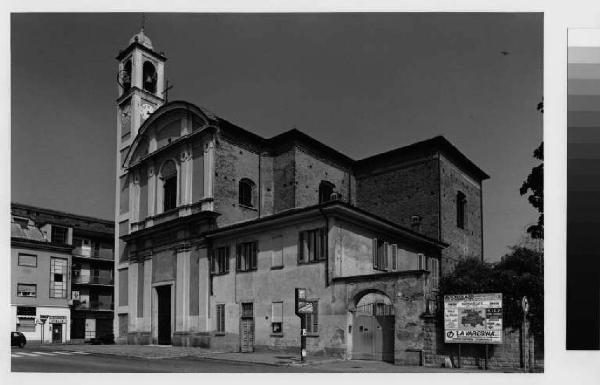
{"points": [[385, 256], [238, 257], [212, 261], [323, 237], [375, 253], [253, 255], [227, 259], [394, 256], [300, 247]]}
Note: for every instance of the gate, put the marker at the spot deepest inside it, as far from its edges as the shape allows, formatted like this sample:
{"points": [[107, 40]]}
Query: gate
{"points": [[373, 337], [247, 328]]}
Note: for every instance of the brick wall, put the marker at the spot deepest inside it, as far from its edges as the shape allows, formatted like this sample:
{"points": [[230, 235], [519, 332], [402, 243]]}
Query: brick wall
{"points": [[507, 355], [233, 163], [310, 171], [284, 170], [463, 242], [402, 192]]}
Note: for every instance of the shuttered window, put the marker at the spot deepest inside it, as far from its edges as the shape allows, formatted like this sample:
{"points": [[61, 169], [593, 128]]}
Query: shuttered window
{"points": [[220, 261], [312, 246], [221, 318], [380, 255], [246, 256], [277, 317]]}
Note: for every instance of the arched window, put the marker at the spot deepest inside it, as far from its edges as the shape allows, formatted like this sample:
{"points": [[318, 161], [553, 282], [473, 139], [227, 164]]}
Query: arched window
{"points": [[149, 77], [168, 175], [246, 192], [325, 191]]}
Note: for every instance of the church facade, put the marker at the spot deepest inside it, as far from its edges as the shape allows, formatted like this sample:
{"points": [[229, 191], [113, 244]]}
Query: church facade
{"points": [[217, 227]]}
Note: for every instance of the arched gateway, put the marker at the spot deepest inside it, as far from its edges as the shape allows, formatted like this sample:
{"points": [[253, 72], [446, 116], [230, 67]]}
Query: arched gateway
{"points": [[373, 324]]}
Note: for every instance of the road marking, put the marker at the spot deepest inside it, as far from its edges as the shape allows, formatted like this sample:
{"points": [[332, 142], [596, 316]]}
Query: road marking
{"points": [[65, 353], [81, 352], [44, 353], [28, 354], [16, 355]]}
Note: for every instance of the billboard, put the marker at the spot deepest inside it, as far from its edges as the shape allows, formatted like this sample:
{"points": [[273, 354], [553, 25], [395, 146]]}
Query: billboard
{"points": [[473, 318]]}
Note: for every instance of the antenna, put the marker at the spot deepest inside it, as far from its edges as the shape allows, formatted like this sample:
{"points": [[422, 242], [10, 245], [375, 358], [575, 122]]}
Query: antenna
{"points": [[143, 21]]}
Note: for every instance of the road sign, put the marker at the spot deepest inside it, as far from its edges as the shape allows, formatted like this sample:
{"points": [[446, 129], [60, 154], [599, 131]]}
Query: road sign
{"points": [[473, 318], [305, 307]]}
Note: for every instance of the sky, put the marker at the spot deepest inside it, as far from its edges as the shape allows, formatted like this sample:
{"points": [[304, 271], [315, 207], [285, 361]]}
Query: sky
{"points": [[360, 83]]}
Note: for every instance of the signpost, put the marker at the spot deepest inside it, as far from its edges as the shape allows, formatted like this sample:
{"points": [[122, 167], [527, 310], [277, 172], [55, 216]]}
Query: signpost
{"points": [[43, 319], [303, 307], [473, 319]]}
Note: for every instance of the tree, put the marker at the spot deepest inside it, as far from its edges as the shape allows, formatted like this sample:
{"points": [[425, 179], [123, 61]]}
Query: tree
{"points": [[535, 184], [518, 274]]}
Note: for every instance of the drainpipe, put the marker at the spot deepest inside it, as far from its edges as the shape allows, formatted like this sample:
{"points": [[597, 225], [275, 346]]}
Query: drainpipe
{"points": [[326, 246]]}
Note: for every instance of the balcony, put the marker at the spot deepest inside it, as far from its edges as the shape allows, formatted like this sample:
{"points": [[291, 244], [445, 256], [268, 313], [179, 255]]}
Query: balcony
{"points": [[91, 280], [102, 255], [93, 306]]}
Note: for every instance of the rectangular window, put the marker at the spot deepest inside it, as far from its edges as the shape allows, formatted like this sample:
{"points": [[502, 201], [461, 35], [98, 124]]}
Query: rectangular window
{"points": [[277, 251], [26, 290], [461, 203], [247, 310], [59, 235], [58, 281], [221, 318], [312, 246], [25, 324], [422, 261], [220, 261], [246, 256], [27, 260], [394, 256], [277, 317], [381, 251], [312, 320]]}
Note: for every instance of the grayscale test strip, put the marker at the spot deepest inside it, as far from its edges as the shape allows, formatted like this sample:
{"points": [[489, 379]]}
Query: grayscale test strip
{"points": [[583, 190]]}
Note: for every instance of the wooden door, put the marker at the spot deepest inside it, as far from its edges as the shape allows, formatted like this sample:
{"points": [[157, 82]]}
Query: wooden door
{"points": [[373, 333], [247, 328], [247, 335]]}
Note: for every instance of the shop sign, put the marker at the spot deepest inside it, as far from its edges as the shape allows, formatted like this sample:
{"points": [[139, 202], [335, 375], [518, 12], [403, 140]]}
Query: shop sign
{"points": [[473, 318]]}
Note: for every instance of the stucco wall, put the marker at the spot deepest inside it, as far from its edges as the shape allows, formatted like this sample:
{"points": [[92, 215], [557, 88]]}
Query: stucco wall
{"points": [[39, 276]]}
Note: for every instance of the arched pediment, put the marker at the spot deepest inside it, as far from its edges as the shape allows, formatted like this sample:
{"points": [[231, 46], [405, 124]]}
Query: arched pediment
{"points": [[165, 126]]}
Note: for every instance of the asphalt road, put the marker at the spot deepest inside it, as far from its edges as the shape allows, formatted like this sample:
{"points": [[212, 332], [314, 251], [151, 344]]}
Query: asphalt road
{"points": [[42, 360]]}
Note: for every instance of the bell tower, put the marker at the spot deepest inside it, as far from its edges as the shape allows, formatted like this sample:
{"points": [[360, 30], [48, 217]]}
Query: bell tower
{"points": [[140, 79], [141, 84]]}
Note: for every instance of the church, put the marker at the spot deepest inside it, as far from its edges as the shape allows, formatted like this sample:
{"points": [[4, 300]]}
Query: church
{"points": [[217, 227]]}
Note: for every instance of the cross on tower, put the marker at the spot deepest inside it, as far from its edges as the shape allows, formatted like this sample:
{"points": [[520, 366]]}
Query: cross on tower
{"points": [[165, 93]]}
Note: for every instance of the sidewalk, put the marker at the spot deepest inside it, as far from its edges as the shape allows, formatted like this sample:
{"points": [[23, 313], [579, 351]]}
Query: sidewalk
{"points": [[261, 358]]}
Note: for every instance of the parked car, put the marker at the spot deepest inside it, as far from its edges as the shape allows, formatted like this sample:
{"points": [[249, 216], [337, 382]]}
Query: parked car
{"points": [[17, 339]]}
